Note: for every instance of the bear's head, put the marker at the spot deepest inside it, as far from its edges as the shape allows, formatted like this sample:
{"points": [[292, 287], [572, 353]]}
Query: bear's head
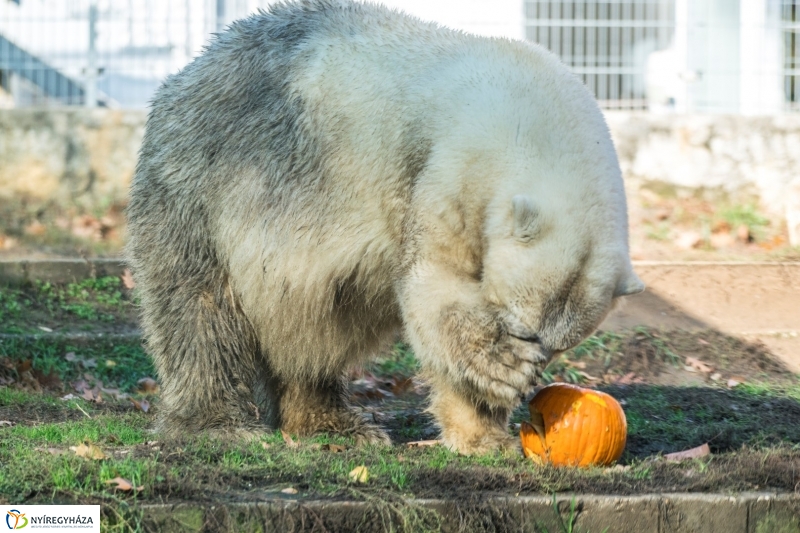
{"points": [[556, 269]]}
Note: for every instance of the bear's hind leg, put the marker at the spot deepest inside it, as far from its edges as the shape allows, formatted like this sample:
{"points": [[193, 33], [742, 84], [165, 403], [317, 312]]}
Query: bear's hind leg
{"points": [[311, 408], [207, 358]]}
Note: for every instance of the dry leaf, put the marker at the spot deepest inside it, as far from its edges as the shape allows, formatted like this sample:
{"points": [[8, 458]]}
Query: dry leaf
{"points": [[402, 386], [6, 423], [698, 365], [289, 490], [627, 379], [88, 395], [288, 440], [334, 448], [80, 385], [266, 446], [693, 453], [423, 443], [141, 405], [89, 363], [716, 376], [735, 381], [359, 474], [127, 279], [121, 484], [148, 385], [68, 397], [88, 451], [45, 329], [51, 451], [70, 356]]}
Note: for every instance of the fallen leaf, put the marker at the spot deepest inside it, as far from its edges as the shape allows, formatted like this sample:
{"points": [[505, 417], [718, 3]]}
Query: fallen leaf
{"points": [[359, 474], [6, 423], [703, 342], [80, 385], [122, 484], [89, 363], [716, 376], [110, 363], [627, 379], [288, 440], [70, 356], [698, 365], [289, 490], [743, 233], [115, 393], [266, 446], [141, 405], [148, 386], [68, 397], [581, 365], [51, 451], [49, 381], [423, 443], [589, 377], [402, 386], [334, 448], [88, 451], [735, 382], [88, 395], [45, 329], [693, 453], [688, 240], [127, 279]]}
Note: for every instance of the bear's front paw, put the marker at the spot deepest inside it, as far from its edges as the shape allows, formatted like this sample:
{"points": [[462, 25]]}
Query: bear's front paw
{"points": [[507, 372]]}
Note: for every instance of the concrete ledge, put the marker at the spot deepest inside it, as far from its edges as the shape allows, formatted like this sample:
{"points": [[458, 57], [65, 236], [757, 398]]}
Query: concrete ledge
{"points": [[58, 270], [653, 513]]}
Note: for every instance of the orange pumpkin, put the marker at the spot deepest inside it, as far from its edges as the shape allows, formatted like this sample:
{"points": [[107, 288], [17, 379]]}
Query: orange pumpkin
{"points": [[573, 426]]}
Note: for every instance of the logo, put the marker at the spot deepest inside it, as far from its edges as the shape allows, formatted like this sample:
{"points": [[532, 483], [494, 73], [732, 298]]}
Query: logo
{"points": [[17, 518]]}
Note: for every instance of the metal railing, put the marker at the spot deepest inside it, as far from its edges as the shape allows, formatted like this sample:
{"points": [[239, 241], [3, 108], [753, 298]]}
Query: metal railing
{"points": [[106, 52], [790, 25], [605, 42]]}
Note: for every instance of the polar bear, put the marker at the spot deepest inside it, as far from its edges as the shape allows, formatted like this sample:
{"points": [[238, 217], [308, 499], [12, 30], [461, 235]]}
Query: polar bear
{"points": [[328, 173]]}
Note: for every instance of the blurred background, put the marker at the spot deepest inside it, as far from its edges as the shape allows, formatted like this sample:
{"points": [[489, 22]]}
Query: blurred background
{"points": [[731, 56], [701, 96]]}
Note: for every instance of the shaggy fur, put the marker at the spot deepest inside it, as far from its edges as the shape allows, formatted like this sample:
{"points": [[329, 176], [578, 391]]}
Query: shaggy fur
{"points": [[328, 172]]}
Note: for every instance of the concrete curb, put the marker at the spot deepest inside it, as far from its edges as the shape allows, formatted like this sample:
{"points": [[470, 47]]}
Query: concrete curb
{"points": [[651, 513], [58, 270]]}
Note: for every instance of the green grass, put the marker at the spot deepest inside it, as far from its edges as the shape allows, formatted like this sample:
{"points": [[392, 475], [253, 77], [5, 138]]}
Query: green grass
{"points": [[117, 363], [102, 299], [745, 215]]}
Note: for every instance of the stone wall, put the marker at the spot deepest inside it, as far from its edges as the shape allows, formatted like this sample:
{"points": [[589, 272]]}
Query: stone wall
{"points": [[74, 156], [68, 156], [756, 156]]}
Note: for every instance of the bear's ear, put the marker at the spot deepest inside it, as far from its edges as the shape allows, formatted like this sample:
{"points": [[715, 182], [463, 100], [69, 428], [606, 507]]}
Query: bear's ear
{"points": [[524, 214], [630, 284]]}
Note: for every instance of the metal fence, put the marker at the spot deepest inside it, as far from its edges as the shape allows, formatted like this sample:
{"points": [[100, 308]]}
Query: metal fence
{"points": [[116, 52], [113, 52], [790, 23], [605, 42]]}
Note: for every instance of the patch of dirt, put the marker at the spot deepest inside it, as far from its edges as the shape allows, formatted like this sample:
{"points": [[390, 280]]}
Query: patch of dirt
{"points": [[680, 358], [36, 414]]}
